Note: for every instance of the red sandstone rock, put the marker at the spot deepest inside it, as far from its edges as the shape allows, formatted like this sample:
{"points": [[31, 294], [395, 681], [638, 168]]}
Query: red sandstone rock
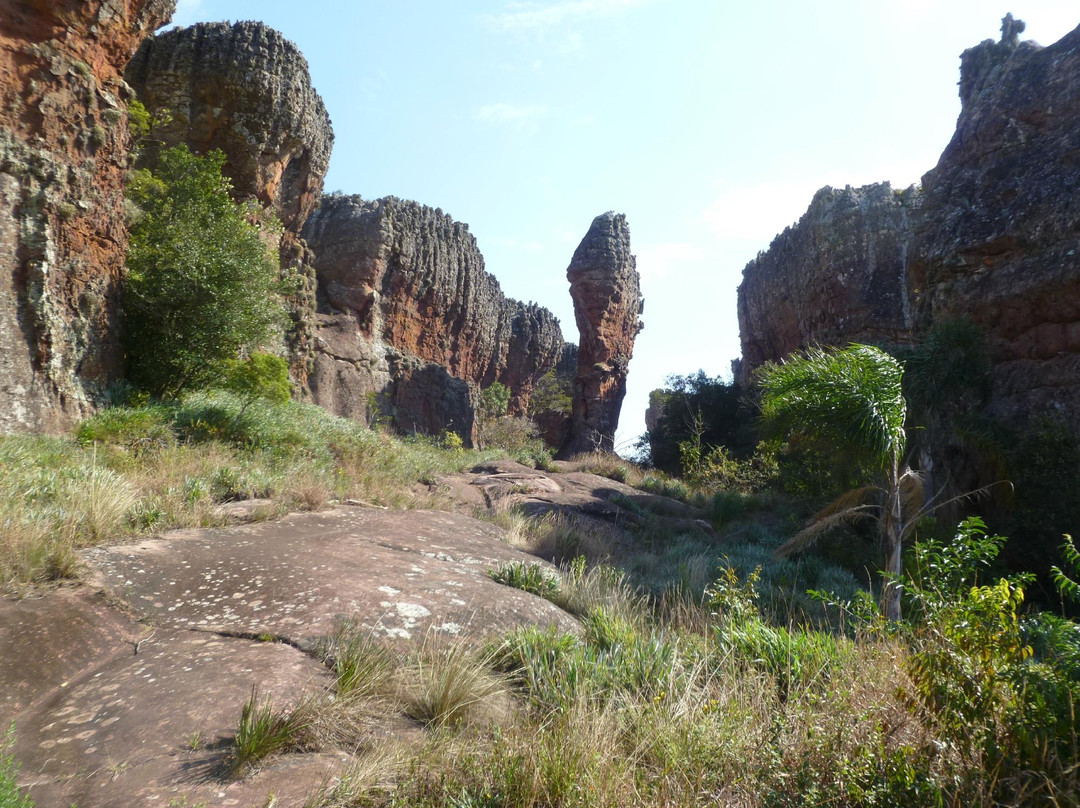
{"points": [[63, 159], [411, 315], [605, 286]]}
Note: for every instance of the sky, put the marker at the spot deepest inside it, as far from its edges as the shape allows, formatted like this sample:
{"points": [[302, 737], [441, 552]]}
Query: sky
{"points": [[709, 123]]}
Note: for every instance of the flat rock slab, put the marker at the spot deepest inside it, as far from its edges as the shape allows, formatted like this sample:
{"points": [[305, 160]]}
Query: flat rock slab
{"points": [[155, 728], [399, 573]]}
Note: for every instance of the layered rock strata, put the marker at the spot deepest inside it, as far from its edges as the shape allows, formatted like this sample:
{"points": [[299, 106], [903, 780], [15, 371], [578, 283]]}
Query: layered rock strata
{"points": [[606, 290], [836, 276], [63, 159], [998, 241], [402, 287], [246, 90]]}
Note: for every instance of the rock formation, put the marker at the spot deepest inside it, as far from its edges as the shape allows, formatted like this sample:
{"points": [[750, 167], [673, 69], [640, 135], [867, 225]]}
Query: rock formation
{"points": [[605, 286], [401, 287], [246, 89], [993, 237], [836, 276], [63, 158], [998, 241]]}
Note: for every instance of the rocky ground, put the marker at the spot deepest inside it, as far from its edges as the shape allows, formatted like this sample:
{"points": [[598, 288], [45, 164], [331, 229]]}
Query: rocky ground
{"points": [[126, 688]]}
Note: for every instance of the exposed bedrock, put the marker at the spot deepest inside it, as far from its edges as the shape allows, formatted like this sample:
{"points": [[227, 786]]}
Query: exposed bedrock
{"points": [[402, 286], [836, 276], [244, 89], [606, 290], [63, 158], [999, 237], [993, 236]]}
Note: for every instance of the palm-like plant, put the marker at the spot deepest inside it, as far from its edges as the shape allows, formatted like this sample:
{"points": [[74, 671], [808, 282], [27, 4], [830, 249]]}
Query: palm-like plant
{"points": [[851, 397]]}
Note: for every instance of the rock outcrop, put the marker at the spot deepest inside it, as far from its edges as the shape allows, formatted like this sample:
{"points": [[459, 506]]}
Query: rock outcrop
{"points": [[409, 315], [836, 276], [606, 289], [246, 90], [992, 237], [998, 241], [63, 159]]}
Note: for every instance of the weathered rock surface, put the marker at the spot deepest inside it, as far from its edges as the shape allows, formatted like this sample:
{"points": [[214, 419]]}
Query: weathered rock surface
{"points": [[998, 240], [63, 158], [403, 292], [606, 290], [993, 237], [836, 276], [119, 707], [244, 89]]}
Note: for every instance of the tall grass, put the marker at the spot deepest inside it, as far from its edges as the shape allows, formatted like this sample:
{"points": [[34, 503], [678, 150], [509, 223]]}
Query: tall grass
{"points": [[135, 470]]}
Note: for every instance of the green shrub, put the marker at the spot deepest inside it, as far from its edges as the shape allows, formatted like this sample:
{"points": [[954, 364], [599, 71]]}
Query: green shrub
{"points": [[532, 578], [136, 428], [202, 284]]}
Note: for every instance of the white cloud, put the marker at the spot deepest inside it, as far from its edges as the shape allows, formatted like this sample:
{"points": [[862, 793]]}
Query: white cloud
{"points": [[532, 16], [522, 116], [655, 261]]}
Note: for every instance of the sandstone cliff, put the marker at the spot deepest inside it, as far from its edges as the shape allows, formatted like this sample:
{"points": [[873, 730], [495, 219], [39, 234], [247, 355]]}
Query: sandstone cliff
{"points": [[63, 158], [998, 240], [836, 276], [246, 90], [605, 286], [402, 286], [993, 237]]}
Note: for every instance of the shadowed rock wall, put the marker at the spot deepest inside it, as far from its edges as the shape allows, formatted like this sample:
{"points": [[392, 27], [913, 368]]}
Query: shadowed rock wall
{"points": [[993, 236], [836, 276], [605, 286], [998, 241], [63, 159]]}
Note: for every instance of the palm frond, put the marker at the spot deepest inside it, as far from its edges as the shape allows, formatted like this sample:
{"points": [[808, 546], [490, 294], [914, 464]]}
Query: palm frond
{"points": [[855, 392], [809, 534], [849, 499], [912, 491]]}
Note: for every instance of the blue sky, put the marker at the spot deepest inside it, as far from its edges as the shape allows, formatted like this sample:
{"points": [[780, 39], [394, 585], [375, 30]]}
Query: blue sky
{"points": [[710, 124]]}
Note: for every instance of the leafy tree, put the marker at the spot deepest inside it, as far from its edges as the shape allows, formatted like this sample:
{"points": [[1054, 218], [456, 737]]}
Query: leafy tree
{"points": [[202, 283], [851, 397], [709, 412]]}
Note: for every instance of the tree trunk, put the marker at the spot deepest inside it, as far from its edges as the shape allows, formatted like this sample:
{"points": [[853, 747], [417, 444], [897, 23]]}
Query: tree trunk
{"points": [[891, 531]]}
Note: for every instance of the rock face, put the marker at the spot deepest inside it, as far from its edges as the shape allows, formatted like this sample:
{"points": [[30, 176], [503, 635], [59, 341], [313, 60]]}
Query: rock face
{"points": [[998, 241], [836, 276], [246, 90], [408, 314], [63, 158], [993, 237], [606, 289]]}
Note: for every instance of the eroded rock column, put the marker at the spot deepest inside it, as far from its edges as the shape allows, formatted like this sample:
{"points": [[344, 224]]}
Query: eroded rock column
{"points": [[606, 290]]}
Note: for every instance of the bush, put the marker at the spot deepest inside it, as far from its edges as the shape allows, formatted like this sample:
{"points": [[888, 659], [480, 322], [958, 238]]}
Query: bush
{"points": [[202, 284]]}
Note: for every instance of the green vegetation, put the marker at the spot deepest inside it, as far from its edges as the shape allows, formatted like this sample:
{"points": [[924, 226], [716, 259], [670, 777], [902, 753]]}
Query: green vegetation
{"points": [[131, 470], [10, 794], [263, 731], [202, 283], [850, 397]]}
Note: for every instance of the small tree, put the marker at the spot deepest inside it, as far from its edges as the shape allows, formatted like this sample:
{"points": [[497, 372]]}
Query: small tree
{"points": [[850, 397], [202, 284]]}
